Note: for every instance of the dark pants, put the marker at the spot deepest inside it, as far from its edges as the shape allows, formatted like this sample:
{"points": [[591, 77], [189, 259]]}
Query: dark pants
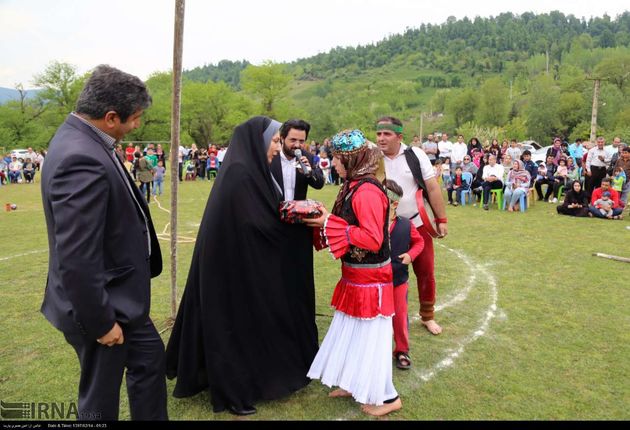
{"points": [[487, 186], [595, 180], [142, 355], [181, 171], [549, 192]]}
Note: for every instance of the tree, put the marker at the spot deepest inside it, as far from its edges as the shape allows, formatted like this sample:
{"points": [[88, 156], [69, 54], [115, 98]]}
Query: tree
{"points": [[268, 82], [210, 111], [61, 85], [495, 104], [543, 117], [462, 106], [615, 68]]}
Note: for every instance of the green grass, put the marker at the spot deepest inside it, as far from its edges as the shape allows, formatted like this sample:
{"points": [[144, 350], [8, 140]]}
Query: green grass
{"points": [[555, 346]]}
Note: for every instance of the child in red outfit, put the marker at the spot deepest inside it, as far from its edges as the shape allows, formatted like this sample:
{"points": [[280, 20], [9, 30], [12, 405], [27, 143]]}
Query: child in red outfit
{"points": [[406, 245]]}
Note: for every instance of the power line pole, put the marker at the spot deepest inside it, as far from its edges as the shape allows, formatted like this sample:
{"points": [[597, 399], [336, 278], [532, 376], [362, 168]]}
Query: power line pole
{"points": [[596, 86], [178, 47]]}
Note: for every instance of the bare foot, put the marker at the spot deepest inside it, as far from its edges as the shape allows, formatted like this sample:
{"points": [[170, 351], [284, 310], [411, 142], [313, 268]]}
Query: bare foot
{"points": [[432, 326], [339, 392], [384, 409], [510, 209]]}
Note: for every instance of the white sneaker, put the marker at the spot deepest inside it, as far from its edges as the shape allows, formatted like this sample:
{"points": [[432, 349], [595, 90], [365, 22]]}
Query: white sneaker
{"points": [[555, 200]]}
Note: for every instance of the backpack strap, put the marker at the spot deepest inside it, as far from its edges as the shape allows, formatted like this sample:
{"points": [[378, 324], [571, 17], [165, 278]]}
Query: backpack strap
{"points": [[416, 171]]}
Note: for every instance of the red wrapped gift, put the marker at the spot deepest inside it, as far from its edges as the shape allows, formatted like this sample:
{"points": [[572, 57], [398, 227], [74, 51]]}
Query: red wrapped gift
{"points": [[295, 211]]}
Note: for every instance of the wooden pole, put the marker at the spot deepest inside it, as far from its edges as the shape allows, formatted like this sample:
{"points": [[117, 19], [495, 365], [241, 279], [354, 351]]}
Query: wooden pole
{"points": [[421, 127], [178, 45], [594, 112], [612, 257]]}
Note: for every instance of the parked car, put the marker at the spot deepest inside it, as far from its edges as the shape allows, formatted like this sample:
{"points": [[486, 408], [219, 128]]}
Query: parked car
{"points": [[19, 153], [530, 145]]}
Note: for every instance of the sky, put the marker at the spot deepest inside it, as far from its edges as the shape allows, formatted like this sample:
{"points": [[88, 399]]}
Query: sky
{"points": [[137, 35]]}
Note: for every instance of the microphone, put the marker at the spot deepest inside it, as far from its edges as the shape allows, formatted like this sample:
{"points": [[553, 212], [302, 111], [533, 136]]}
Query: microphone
{"points": [[305, 169]]}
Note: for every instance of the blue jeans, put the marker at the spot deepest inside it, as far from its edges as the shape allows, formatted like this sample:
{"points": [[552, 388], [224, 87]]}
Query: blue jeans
{"points": [[512, 196], [598, 214], [157, 184]]}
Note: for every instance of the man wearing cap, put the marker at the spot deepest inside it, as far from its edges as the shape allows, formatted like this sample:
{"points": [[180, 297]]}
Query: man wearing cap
{"points": [[389, 132]]}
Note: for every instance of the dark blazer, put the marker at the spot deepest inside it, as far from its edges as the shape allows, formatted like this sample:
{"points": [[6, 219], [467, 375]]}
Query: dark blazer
{"points": [[316, 180], [99, 269]]}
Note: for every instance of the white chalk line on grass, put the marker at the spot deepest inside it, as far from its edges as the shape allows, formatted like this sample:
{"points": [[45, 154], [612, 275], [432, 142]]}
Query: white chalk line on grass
{"points": [[491, 312], [463, 293], [165, 235], [39, 251]]}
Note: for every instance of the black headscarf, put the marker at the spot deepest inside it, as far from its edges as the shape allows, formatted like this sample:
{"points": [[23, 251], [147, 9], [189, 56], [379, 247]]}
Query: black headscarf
{"points": [[572, 197], [246, 324]]}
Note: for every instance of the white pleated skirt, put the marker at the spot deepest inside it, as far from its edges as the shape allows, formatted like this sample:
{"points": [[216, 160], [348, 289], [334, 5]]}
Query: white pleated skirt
{"points": [[356, 356]]}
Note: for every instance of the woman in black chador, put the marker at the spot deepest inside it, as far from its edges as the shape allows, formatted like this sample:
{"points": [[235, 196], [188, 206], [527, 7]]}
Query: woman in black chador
{"points": [[245, 329]]}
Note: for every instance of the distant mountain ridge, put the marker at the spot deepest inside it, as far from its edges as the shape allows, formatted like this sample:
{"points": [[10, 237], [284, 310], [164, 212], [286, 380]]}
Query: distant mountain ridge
{"points": [[8, 94]]}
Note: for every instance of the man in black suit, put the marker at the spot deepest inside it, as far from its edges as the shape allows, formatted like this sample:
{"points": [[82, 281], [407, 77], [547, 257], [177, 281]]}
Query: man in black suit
{"points": [[286, 169], [103, 252]]}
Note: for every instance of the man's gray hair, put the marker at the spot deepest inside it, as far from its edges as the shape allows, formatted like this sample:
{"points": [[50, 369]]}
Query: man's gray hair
{"points": [[110, 89]]}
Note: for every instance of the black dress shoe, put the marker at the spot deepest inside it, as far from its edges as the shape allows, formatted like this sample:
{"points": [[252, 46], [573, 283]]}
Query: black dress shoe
{"points": [[245, 410]]}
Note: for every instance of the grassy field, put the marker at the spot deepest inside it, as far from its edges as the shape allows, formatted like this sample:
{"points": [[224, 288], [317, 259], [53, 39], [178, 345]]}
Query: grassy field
{"points": [[535, 327]]}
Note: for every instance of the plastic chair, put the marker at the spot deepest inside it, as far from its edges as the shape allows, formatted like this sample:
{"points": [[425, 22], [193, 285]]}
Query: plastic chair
{"points": [[468, 177], [560, 191], [497, 194], [522, 202], [531, 196]]}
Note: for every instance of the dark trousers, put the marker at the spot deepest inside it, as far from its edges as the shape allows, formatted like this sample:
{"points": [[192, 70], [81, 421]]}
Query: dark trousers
{"points": [[598, 214], [181, 171], [595, 180], [549, 192], [487, 186], [142, 355]]}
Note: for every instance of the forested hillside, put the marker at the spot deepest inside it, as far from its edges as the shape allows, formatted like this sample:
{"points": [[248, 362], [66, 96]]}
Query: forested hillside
{"points": [[521, 76]]}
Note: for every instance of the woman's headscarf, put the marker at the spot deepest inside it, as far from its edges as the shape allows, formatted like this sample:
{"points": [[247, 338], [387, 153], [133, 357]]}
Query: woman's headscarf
{"points": [[361, 158], [521, 176]]}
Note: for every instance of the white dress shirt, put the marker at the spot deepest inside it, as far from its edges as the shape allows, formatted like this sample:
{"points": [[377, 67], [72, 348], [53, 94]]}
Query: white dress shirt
{"points": [[288, 176], [398, 170]]}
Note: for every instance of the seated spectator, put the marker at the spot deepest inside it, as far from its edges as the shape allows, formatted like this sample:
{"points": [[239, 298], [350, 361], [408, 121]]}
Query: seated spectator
{"points": [[15, 171], [575, 201], [559, 178], [28, 170], [547, 176], [191, 173], [614, 197], [469, 166], [530, 166], [516, 185], [492, 179], [604, 205], [457, 184]]}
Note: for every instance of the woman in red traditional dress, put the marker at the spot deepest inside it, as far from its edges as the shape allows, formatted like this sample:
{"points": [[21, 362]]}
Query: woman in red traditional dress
{"points": [[356, 352]]}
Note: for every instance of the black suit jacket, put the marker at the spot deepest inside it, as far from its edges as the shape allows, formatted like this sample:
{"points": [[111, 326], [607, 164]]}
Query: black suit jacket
{"points": [[316, 180], [99, 269]]}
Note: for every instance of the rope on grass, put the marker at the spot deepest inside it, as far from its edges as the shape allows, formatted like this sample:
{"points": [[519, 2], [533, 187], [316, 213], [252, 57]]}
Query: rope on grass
{"points": [[165, 235]]}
